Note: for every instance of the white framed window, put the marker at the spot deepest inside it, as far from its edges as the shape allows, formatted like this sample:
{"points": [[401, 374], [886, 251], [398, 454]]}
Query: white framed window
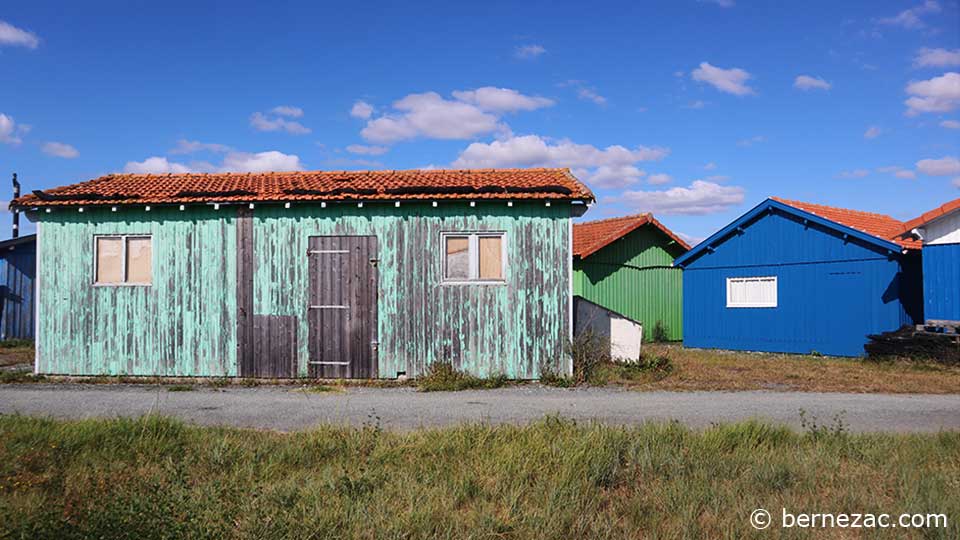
{"points": [[752, 292], [123, 259], [474, 257]]}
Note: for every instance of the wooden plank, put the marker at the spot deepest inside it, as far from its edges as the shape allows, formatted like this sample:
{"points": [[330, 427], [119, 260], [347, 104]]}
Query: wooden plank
{"points": [[245, 321]]}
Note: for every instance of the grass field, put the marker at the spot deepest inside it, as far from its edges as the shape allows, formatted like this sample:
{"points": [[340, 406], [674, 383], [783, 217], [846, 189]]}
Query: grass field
{"points": [[702, 369], [157, 478]]}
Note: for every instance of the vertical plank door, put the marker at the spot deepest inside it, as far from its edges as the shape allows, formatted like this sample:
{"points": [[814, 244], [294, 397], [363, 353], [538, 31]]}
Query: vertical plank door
{"points": [[343, 307]]}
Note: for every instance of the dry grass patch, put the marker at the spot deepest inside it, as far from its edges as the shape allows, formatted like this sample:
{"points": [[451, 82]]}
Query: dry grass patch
{"points": [[705, 369]]}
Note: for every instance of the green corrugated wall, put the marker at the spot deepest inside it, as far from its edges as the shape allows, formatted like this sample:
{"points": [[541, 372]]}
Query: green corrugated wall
{"points": [[186, 322], [632, 276]]}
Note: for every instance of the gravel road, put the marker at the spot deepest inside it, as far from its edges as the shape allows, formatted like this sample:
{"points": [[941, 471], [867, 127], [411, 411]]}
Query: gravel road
{"points": [[288, 408]]}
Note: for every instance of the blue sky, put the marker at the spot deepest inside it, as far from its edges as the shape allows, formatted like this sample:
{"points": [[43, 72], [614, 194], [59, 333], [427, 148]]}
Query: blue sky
{"points": [[695, 110]]}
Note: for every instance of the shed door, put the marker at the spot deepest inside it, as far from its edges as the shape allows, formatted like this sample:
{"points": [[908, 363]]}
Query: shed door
{"points": [[343, 306]]}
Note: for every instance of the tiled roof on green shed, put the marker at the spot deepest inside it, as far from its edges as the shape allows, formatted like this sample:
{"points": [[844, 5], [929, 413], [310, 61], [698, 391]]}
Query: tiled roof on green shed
{"points": [[592, 236], [473, 184]]}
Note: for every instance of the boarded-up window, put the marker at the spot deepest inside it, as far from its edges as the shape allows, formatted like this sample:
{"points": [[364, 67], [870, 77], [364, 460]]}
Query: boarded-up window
{"points": [[474, 257], [458, 257], [139, 258], [109, 259], [752, 292], [491, 257], [123, 260]]}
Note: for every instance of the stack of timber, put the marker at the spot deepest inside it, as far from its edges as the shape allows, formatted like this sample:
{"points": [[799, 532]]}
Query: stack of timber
{"points": [[915, 344]]}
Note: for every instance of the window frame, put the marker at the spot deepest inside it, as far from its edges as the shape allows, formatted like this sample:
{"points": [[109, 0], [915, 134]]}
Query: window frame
{"points": [[776, 292], [473, 257], [123, 260]]}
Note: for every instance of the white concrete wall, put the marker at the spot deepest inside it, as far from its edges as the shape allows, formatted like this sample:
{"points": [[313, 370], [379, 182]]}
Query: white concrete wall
{"points": [[626, 335]]}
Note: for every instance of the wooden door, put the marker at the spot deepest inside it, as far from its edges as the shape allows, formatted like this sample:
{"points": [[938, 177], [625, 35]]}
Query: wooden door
{"points": [[343, 306]]}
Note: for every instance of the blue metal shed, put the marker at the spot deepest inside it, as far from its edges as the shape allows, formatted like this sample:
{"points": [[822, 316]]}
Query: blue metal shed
{"points": [[18, 263], [939, 230], [799, 278]]}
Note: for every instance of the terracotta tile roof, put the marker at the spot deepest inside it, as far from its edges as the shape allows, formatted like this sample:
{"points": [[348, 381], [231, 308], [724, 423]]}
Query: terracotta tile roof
{"points": [[879, 225], [592, 236], [119, 189], [927, 217]]}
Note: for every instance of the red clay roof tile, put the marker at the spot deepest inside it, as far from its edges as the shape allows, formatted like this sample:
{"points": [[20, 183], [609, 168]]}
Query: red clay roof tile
{"points": [[879, 225], [592, 236], [927, 217], [119, 189]]}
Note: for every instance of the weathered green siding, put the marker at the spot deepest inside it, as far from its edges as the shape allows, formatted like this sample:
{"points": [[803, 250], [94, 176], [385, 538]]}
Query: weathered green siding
{"points": [[632, 276], [186, 322], [484, 329]]}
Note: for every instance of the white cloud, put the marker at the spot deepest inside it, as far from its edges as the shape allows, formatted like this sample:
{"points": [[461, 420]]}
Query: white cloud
{"points": [[950, 124], [288, 111], [59, 149], [806, 82], [494, 99], [661, 178], [232, 162], [710, 166], [945, 166], [185, 146], [872, 132], [367, 150], [261, 162], [939, 94], [911, 18], [899, 172], [613, 166], [698, 199], [528, 52], [698, 104], [430, 115], [10, 131], [361, 109], [589, 94], [262, 122], [751, 141], [732, 81], [155, 165], [956, 182], [855, 173], [17, 37], [937, 58]]}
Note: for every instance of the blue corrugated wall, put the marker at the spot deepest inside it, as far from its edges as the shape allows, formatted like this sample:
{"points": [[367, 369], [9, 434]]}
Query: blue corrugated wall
{"points": [[17, 270], [941, 281], [832, 291]]}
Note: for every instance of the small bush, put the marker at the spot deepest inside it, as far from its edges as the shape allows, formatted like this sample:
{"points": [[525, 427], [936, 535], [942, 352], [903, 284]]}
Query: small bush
{"points": [[550, 377], [589, 350], [180, 388], [249, 383], [660, 333], [443, 377]]}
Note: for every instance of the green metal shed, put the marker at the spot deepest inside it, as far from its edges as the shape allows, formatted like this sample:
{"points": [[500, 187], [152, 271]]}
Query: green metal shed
{"points": [[625, 264], [319, 274]]}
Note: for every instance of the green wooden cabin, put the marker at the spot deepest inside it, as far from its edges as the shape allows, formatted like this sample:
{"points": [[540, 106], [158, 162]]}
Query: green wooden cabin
{"points": [[306, 274], [625, 264]]}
